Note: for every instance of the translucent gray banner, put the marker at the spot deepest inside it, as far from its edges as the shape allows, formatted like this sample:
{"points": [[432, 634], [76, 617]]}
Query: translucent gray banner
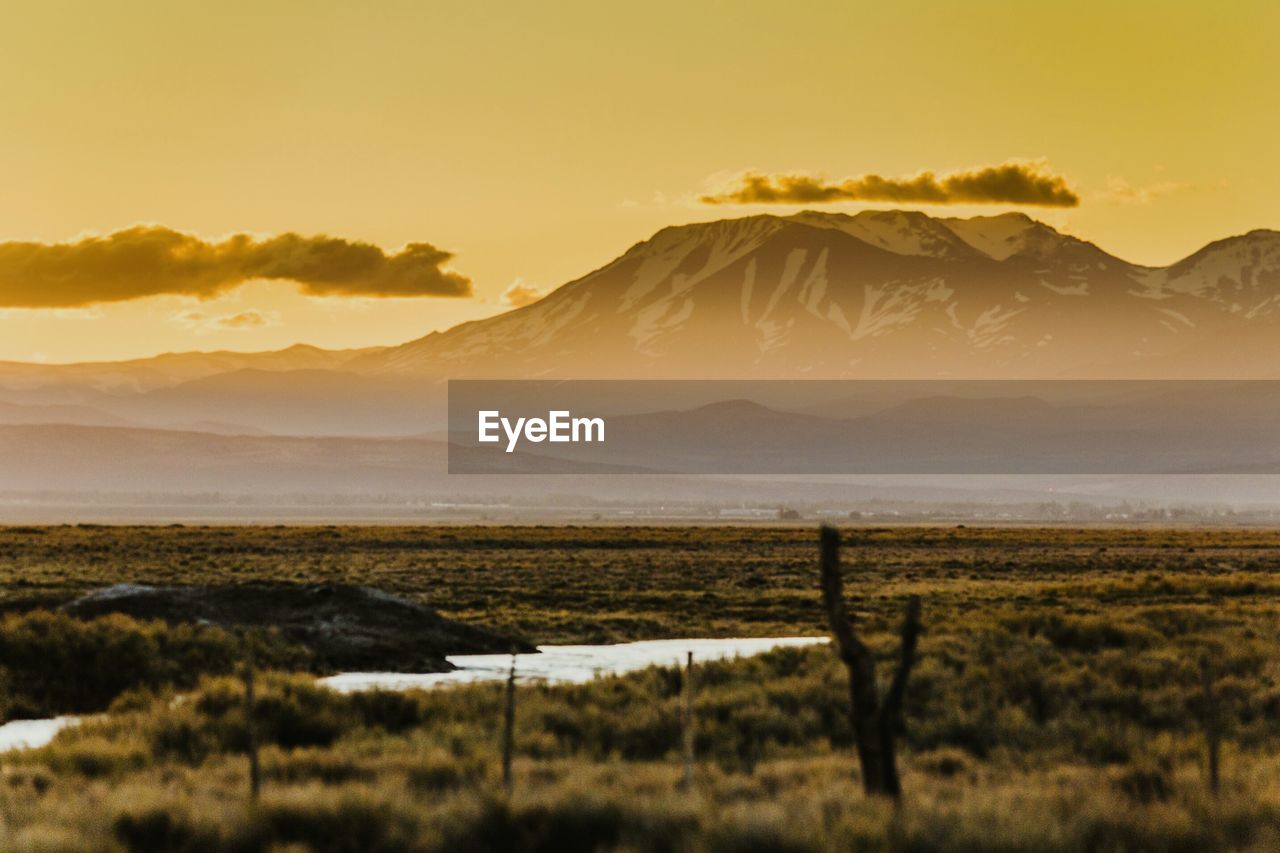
{"points": [[864, 427]]}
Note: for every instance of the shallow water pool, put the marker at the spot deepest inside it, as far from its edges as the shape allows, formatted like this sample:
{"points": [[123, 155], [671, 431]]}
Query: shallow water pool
{"points": [[568, 664], [551, 664]]}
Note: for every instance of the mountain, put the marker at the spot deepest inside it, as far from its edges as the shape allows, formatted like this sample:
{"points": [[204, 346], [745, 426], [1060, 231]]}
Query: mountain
{"points": [[56, 457], [295, 402], [16, 413], [880, 294], [1156, 428], [56, 473], [55, 382], [287, 391]]}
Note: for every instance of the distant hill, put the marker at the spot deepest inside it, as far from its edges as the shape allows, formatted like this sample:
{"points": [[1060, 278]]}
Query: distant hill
{"points": [[146, 374], [54, 413], [300, 390], [1154, 428]]}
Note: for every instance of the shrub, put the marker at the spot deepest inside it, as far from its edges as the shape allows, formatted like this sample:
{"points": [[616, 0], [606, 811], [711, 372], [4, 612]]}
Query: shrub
{"points": [[56, 664], [162, 829]]}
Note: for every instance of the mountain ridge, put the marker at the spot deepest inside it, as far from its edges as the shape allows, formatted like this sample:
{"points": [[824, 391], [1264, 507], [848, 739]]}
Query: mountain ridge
{"points": [[897, 294], [815, 294]]}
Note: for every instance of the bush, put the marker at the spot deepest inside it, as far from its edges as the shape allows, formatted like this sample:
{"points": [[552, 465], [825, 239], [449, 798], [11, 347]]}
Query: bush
{"points": [[1146, 781], [351, 822], [98, 755], [946, 762], [163, 829], [54, 664]]}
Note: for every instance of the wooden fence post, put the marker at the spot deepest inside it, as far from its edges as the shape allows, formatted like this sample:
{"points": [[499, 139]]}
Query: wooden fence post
{"points": [[250, 727], [687, 722], [509, 726], [875, 722], [1211, 730]]}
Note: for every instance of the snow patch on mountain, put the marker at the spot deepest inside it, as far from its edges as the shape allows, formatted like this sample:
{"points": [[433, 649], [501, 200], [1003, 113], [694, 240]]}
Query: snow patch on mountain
{"points": [[988, 328], [887, 307], [897, 231], [814, 288], [997, 237], [795, 259], [1079, 289], [695, 252], [1179, 316]]}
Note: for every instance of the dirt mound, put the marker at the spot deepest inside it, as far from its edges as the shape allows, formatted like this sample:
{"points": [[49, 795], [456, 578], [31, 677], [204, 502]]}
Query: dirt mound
{"points": [[348, 628]]}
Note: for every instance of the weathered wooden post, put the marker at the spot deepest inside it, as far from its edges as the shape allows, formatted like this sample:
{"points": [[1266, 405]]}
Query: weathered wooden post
{"points": [[250, 727], [686, 721], [875, 721], [1211, 731], [509, 726]]}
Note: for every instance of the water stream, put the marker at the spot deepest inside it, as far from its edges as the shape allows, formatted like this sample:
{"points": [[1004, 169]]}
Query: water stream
{"points": [[567, 664], [551, 664]]}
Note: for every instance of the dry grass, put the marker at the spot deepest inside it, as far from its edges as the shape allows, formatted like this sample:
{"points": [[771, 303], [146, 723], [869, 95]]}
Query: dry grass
{"points": [[1055, 706], [609, 584]]}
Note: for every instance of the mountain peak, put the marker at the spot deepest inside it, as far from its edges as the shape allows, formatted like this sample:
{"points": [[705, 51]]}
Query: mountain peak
{"points": [[877, 293], [903, 232], [1263, 238], [1242, 272], [1012, 215], [1001, 236]]}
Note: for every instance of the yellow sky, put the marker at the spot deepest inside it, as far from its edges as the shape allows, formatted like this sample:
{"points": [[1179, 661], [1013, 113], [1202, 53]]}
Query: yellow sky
{"points": [[539, 140]]}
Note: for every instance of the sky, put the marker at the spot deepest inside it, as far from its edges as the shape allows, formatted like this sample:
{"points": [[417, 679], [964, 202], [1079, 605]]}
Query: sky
{"points": [[519, 146]]}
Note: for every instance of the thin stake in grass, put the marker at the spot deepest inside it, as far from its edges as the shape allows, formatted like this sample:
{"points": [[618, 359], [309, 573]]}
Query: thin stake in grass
{"points": [[509, 726], [687, 721], [875, 721], [250, 729], [1212, 732]]}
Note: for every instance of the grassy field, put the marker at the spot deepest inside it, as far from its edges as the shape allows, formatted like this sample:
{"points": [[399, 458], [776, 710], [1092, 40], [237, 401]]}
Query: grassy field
{"points": [[609, 584], [1056, 704]]}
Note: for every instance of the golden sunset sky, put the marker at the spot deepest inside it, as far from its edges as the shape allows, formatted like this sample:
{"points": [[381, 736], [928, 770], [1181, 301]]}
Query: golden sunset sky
{"points": [[537, 141]]}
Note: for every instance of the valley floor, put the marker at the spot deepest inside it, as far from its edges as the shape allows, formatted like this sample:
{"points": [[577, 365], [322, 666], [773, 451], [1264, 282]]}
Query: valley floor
{"points": [[1058, 701]]}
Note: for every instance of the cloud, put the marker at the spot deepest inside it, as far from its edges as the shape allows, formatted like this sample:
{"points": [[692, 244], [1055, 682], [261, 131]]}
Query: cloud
{"points": [[1120, 191], [244, 320], [1014, 182], [152, 260], [56, 313], [520, 294], [201, 322]]}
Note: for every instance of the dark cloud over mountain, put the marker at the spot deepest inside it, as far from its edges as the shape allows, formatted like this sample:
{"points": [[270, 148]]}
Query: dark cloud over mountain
{"points": [[152, 260], [1008, 183]]}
